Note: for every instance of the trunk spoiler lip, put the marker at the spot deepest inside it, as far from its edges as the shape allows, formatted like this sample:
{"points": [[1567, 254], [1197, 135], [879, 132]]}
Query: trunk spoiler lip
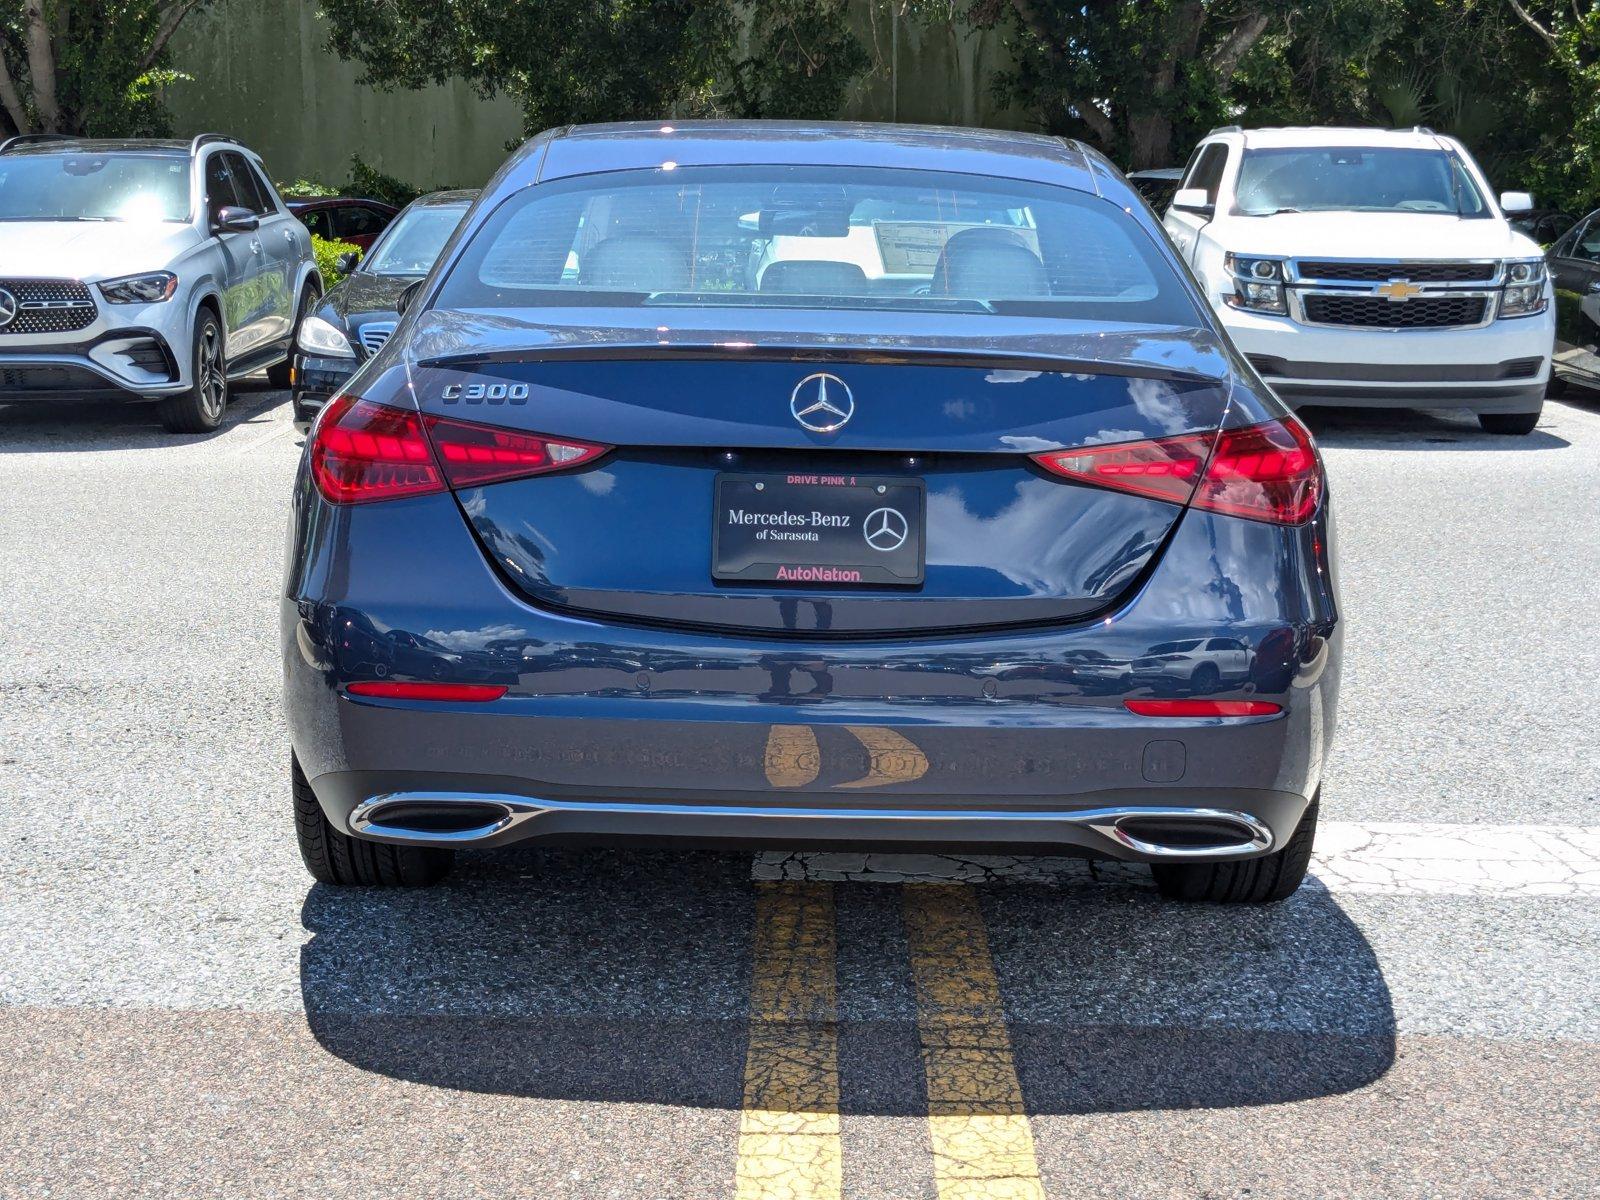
{"points": [[1001, 359]]}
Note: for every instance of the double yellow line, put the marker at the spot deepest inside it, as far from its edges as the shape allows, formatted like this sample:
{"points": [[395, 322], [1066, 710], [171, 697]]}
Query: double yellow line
{"points": [[789, 1135]]}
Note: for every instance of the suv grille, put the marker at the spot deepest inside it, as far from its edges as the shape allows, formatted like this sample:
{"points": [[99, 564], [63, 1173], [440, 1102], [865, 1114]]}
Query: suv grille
{"points": [[1424, 312], [374, 334], [1416, 272], [49, 305]]}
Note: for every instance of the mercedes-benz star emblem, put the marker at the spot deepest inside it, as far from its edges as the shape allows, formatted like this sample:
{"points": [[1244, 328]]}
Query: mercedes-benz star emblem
{"points": [[822, 403], [8, 308], [885, 529]]}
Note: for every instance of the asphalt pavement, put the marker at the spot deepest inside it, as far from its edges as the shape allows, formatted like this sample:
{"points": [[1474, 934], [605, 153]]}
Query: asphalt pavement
{"points": [[182, 1013]]}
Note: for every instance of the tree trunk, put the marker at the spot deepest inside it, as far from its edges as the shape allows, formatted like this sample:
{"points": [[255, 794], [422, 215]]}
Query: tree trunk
{"points": [[1149, 140], [42, 67]]}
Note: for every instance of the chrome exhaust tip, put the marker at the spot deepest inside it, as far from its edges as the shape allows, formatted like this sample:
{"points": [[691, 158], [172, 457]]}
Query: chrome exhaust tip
{"points": [[1185, 832], [435, 819]]}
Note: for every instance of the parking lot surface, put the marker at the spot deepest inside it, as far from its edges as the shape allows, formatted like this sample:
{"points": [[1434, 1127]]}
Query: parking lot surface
{"points": [[182, 1013]]}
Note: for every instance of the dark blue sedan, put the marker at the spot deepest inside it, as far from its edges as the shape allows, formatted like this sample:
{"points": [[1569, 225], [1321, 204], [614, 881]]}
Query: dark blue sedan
{"points": [[812, 486]]}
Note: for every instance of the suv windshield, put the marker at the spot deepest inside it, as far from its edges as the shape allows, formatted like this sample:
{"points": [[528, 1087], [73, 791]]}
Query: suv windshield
{"points": [[94, 187], [411, 244], [818, 237], [1356, 179]]}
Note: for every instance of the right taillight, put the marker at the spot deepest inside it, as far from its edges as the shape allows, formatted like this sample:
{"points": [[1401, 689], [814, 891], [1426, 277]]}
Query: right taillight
{"points": [[1266, 472]]}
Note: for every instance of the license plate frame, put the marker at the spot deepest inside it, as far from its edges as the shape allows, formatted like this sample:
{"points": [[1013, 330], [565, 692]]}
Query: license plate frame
{"points": [[784, 529]]}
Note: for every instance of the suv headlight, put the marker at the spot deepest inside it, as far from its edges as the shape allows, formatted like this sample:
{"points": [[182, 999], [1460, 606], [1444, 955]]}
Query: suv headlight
{"points": [[1257, 284], [140, 289], [317, 336], [1524, 291]]}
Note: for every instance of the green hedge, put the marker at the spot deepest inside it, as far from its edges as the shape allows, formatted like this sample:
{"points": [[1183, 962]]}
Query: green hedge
{"points": [[327, 253]]}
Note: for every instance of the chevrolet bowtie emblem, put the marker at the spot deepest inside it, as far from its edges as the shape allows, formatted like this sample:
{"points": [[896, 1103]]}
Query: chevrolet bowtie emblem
{"points": [[1399, 289]]}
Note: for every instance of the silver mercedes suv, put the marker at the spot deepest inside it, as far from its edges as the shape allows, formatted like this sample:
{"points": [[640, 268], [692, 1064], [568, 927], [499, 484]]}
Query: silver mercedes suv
{"points": [[145, 270]]}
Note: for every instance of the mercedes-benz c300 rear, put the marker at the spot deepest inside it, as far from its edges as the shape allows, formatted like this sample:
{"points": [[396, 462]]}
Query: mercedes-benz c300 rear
{"points": [[762, 484]]}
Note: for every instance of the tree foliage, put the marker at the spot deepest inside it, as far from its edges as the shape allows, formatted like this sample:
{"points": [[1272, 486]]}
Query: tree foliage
{"points": [[604, 60], [90, 67]]}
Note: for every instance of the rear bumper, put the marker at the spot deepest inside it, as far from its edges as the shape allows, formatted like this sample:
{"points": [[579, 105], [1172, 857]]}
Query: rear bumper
{"points": [[611, 731], [1134, 825]]}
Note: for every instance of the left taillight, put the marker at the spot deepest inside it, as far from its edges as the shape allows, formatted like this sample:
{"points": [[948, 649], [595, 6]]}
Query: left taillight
{"points": [[361, 452], [1266, 472]]}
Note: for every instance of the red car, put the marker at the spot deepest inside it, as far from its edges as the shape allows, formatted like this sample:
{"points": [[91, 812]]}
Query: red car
{"points": [[343, 219]]}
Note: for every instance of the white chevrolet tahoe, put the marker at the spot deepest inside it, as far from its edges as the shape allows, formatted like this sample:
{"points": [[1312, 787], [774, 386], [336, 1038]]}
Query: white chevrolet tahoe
{"points": [[1369, 267]]}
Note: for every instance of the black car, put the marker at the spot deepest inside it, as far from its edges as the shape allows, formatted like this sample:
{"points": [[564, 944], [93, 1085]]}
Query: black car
{"points": [[1543, 225], [1575, 272], [357, 316]]}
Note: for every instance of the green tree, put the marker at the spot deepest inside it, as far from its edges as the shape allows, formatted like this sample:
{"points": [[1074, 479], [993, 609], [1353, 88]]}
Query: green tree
{"points": [[1139, 78], [600, 60], [88, 67]]}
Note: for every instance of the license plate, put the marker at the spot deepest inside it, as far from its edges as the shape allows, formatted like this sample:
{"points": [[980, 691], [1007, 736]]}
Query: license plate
{"points": [[818, 530]]}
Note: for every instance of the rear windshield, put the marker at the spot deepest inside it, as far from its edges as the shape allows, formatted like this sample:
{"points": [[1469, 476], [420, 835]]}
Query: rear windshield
{"points": [[807, 237], [1356, 179], [94, 187]]}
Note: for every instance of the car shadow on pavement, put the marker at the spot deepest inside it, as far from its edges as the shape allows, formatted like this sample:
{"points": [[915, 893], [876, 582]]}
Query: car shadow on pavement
{"points": [[77, 426], [1416, 429], [623, 976]]}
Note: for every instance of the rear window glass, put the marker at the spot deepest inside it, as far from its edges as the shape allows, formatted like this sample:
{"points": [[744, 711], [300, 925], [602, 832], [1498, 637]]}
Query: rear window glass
{"points": [[835, 238]]}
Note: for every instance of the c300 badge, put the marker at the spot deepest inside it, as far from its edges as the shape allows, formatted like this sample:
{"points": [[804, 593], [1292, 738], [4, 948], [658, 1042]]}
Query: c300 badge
{"points": [[485, 393]]}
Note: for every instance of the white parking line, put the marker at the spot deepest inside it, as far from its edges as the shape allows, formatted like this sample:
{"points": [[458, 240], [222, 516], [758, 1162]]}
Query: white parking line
{"points": [[1390, 858]]}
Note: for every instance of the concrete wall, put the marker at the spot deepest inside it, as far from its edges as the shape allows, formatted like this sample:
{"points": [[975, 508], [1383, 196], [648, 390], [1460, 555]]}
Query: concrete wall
{"points": [[262, 74]]}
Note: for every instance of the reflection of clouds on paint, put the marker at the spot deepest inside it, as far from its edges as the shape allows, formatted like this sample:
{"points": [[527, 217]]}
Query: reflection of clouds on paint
{"points": [[463, 641], [1047, 540], [599, 483], [1160, 404], [476, 504], [1023, 444], [1011, 376], [1110, 437], [959, 410]]}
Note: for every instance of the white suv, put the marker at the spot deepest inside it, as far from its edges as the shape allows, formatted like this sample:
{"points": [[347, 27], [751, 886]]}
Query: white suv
{"points": [[1369, 267], [145, 270]]}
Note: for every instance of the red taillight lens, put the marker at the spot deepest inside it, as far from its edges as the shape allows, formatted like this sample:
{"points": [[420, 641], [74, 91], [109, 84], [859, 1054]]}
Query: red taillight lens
{"points": [[362, 452], [1202, 708], [475, 454], [1266, 472], [390, 689], [1166, 469]]}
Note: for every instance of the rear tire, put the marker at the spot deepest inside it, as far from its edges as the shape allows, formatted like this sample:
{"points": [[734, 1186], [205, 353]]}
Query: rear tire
{"points": [[278, 376], [1264, 880], [199, 410], [1512, 423], [343, 861]]}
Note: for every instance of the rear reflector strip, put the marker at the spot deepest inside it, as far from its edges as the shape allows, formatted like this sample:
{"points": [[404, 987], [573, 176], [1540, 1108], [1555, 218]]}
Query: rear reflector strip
{"points": [[1202, 708], [390, 689]]}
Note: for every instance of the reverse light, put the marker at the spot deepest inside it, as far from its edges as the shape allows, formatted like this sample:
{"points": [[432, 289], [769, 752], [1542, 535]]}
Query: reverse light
{"points": [[391, 689], [1267, 472], [1202, 708], [474, 454], [140, 289], [317, 336]]}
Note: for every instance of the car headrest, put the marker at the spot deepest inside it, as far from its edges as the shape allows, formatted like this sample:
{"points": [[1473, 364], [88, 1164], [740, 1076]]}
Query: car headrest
{"points": [[635, 264], [982, 263], [814, 277]]}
